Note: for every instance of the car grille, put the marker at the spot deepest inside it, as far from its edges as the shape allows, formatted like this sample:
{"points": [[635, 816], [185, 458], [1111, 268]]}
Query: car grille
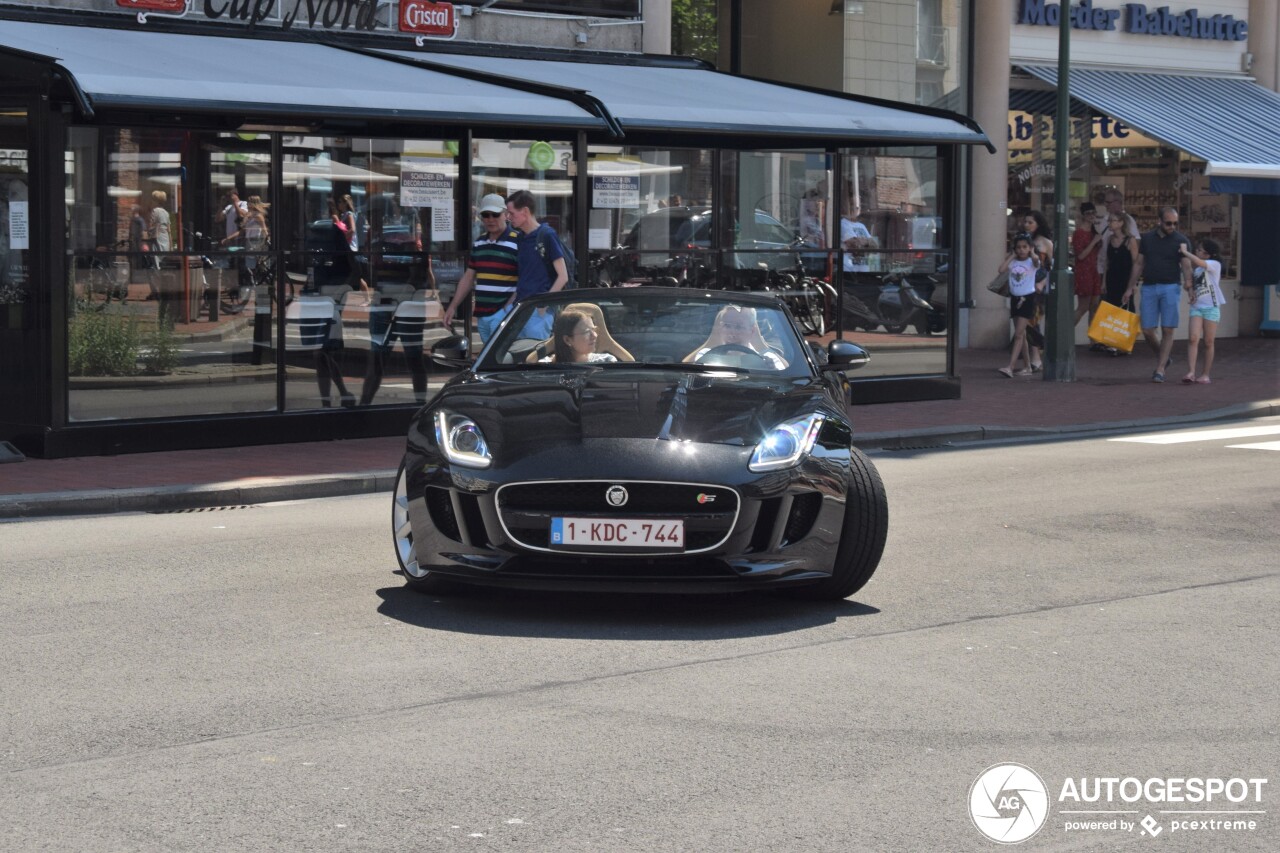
{"points": [[708, 512]]}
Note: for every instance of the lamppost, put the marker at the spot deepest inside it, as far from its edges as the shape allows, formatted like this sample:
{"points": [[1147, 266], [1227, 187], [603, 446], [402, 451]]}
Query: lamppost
{"points": [[1060, 355]]}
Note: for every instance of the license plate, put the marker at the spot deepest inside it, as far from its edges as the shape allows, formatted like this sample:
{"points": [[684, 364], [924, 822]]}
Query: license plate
{"points": [[617, 533]]}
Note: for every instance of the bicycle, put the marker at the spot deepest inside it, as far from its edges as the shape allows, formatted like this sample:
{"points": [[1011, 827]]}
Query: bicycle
{"points": [[231, 296], [102, 277]]}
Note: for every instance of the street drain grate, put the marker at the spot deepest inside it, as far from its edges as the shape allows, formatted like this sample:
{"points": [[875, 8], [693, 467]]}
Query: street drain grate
{"points": [[200, 509]]}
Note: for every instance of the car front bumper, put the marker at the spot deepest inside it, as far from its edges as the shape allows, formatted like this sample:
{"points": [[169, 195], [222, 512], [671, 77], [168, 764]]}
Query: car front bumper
{"points": [[488, 527]]}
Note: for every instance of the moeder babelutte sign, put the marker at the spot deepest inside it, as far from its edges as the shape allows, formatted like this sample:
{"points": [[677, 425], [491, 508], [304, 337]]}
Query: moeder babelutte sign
{"points": [[1136, 18]]}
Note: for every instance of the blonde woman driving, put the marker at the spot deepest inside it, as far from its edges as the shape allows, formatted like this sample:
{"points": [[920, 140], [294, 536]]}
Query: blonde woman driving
{"points": [[737, 330]]}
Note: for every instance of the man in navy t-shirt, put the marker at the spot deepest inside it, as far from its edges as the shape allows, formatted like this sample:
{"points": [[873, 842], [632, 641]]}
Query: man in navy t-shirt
{"points": [[1165, 272], [536, 240]]}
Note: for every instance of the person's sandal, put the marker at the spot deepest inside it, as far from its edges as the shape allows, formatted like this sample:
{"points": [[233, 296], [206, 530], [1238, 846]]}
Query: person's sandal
{"points": [[1005, 372], [1189, 379], [1157, 376], [1204, 380], [1036, 368], [1025, 372]]}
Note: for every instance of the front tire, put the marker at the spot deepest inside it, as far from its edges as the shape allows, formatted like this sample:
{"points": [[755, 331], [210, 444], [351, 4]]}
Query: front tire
{"points": [[862, 537], [416, 577]]}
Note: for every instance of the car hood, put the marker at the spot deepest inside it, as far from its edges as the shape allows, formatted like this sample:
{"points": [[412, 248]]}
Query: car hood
{"points": [[522, 411]]}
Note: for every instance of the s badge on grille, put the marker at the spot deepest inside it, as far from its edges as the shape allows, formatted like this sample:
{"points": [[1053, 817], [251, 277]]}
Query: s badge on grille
{"points": [[704, 498], [616, 496]]}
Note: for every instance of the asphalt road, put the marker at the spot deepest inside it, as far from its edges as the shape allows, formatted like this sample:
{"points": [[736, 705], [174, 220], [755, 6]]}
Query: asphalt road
{"points": [[256, 679]]}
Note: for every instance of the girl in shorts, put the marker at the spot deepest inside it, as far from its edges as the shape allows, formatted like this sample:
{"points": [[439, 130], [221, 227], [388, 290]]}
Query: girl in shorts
{"points": [[1206, 298], [1023, 287]]}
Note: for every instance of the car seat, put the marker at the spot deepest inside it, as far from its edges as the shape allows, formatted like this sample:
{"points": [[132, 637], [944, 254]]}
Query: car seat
{"points": [[716, 338], [605, 342]]}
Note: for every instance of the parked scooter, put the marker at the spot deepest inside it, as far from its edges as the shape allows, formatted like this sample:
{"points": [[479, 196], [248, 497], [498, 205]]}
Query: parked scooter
{"points": [[904, 301], [900, 299]]}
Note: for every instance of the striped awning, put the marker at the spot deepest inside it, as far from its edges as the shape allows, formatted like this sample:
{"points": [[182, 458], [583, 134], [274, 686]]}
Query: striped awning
{"points": [[1231, 123]]}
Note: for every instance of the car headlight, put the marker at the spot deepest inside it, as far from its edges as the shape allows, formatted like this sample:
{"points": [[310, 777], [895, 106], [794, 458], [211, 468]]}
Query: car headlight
{"points": [[462, 441], [786, 444]]}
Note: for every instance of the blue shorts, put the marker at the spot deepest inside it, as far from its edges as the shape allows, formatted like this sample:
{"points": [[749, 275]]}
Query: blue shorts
{"points": [[1212, 313], [1159, 305], [539, 325], [489, 324]]}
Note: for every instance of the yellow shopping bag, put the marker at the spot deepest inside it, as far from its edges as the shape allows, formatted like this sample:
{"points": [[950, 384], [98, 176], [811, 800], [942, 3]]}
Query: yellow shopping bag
{"points": [[1113, 326]]}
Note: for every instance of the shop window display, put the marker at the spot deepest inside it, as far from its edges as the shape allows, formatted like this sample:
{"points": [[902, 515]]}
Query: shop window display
{"points": [[17, 299], [195, 260], [1149, 175], [893, 250]]}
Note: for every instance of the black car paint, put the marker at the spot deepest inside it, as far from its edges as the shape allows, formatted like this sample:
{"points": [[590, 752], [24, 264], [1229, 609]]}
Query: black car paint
{"points": [[545, 422]]}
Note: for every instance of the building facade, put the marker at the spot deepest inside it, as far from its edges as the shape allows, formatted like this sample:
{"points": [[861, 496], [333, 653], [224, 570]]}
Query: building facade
{"points": [[172, 173], [1171, 106]]}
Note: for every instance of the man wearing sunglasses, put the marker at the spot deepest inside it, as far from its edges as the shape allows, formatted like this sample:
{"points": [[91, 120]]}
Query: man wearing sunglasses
{"points": [[493, 269], [1164, 272]]}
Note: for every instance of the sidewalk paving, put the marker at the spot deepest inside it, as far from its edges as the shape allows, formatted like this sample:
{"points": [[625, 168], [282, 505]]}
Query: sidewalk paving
{"points": [[1108, 392]]}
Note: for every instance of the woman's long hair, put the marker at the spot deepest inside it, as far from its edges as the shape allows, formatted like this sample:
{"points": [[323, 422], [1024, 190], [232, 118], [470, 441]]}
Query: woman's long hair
{"points": [[1042, 224], [565, 325]]}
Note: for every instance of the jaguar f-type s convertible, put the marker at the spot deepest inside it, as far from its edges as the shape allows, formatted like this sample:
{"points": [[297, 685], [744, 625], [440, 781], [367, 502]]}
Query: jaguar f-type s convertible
{"points": [[643, 439]]}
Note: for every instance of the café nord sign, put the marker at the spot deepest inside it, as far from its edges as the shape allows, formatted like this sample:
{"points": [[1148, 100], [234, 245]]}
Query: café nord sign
{"points": [[421, 17]]}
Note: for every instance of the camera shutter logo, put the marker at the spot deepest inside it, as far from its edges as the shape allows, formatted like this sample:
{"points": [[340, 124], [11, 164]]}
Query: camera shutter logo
{"points": [[1008, 803], [616, 496]]}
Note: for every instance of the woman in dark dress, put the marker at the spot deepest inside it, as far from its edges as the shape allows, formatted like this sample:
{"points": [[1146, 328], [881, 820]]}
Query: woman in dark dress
{"points": [[1122, 254]]}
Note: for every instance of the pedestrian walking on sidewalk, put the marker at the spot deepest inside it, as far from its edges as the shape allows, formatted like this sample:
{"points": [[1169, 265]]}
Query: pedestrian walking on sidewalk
{"points": [[543, 267], [492, 270], [1037, 225], [1086, 244], [1021, 265], [1162, 266], [1117, 264], [1205, 311]]}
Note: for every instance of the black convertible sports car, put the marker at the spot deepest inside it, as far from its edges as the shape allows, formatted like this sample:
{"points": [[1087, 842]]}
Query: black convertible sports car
{"points": [[662, 439]]}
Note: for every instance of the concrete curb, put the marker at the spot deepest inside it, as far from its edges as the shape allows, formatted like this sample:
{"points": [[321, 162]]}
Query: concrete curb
{"points": [[181, 498], [235, 493], [918, 439]]}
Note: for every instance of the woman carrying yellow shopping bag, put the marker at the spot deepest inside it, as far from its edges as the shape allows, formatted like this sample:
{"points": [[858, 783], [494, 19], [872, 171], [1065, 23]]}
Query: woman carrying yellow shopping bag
{"points": [[1117, 264], [1113, 326]]}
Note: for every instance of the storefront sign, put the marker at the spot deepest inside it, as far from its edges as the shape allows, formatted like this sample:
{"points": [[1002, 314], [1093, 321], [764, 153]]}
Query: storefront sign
{"points": [[154, 5], [1104, 132], [14, 158], [426, 18], [615, 191], [315, 14], [1136, 18]]}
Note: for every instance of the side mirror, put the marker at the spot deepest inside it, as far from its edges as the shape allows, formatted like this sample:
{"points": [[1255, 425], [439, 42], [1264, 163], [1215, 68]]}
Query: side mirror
{"points": [[453, 351], [844, 355]]}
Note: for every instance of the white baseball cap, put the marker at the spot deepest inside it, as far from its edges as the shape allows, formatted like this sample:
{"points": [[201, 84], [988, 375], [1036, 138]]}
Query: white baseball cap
{"points": [[493, 203]]}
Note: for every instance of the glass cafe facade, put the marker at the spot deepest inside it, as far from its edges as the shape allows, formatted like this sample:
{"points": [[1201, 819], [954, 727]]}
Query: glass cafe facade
{"points": [[115, 338]]}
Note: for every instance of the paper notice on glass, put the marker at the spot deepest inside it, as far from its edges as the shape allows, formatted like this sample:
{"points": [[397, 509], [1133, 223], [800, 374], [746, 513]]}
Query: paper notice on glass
{"points": [[426, 182], [442, 223], [19, 233], [615, 191]]}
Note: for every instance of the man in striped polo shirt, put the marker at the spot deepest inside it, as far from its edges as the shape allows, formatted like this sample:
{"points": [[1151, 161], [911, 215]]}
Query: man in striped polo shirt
{"points": [[493, 269]]}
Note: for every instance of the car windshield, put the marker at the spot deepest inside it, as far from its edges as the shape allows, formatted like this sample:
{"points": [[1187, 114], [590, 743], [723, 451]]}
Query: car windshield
{"points": [[663, 328]]}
